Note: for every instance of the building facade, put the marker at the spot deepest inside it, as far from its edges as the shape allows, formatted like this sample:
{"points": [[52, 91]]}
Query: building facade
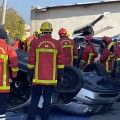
{"points": [[27, 30], [77, 15]]}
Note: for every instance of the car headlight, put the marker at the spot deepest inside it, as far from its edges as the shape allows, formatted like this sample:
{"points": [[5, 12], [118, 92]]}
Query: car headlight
{"points": [[84, 108]]}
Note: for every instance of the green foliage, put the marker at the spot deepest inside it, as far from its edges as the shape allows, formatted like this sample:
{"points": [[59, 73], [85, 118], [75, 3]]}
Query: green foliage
{"points": [[13, 23]]}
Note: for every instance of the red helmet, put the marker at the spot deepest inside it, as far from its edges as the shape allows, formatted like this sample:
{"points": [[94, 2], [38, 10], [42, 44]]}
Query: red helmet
{"points": [[88, 37], [62, 31], [107, 39]]}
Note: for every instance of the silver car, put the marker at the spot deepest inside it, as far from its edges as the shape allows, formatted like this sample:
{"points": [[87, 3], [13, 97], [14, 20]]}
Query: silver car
{"points": [[87, 91]]}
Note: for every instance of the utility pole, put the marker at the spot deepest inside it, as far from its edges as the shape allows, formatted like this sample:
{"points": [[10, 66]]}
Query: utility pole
{"points": [[3, 13]]}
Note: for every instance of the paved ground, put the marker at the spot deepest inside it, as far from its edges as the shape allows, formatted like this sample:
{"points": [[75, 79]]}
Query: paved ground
{"points": [[114, 114], [56, 115]]}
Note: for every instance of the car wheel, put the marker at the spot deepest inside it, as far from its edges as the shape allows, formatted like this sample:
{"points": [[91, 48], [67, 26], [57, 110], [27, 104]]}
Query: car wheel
{"points": [[20, 92], [72, 82], [96, 68]]}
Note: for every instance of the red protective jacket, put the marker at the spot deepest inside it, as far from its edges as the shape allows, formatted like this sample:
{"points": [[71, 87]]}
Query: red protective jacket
{"points": [[69, 49], [27, 43], [45, 56], [89, 54], [8, 57], [107, 59], [17, 44], [117, 52]]}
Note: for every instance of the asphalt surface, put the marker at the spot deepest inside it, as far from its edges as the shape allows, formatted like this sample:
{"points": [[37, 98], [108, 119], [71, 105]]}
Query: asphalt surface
{"points": [[55, 115], [113, 114]]}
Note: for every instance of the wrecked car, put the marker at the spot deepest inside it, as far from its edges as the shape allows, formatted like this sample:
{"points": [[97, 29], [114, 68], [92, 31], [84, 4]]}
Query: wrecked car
{"points": [[89, 91]]}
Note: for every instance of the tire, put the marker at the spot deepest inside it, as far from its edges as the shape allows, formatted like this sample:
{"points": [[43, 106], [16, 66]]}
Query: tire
{"points": [[20, 87], [72, 82], [97, 69], [71, 85], [20, 92]]}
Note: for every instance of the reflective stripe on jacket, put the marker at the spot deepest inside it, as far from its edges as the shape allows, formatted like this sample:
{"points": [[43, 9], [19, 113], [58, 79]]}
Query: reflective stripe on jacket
{"points": [[27, 43], [45, 56], [8, 57], [109, 62], [107, 59], [69, 49]]}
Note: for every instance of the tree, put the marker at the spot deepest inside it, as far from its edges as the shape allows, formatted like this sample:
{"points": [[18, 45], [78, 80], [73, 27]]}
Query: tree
{"points": [[13, 23]]}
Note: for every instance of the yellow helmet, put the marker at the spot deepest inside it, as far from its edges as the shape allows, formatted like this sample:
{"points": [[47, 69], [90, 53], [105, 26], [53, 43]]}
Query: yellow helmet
{"points": [[46, 27], [23, 38], [68, 33]]}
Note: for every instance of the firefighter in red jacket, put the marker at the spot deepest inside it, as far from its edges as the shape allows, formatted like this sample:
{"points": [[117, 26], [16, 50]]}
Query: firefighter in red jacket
{"points": [[8, 57], [45, 58], [29, 40], [89, 52], [117, 58], [18, 44], [69, 47], [107, 57]]}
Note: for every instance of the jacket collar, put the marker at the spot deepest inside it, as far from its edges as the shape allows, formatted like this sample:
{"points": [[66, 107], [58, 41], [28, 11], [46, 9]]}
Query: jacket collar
{"points": [[64, 38], [46, 36]]}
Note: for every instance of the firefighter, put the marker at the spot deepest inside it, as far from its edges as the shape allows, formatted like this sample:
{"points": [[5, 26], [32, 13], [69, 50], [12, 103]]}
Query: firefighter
{"points": [[18, 44], [107, 57], [106, 40], [89, 52], [23, 39], [69, 47], [8, 57], [29, 40], [45, 58], [39, 33], [117, 58]]}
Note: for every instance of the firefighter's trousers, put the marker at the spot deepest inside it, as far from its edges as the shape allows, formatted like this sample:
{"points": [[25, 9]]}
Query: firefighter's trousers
{"points": [[37, 91], [3, 105]]}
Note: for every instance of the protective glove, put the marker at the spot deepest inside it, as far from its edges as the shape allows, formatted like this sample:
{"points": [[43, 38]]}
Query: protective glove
{"points": [[30, 73], [112, 49], [12, 82], [60, 75], [75, 62]]}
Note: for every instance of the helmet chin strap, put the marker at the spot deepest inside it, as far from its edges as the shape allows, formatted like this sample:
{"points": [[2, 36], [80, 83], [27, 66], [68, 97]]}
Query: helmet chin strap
{"points": [[46, 32]]}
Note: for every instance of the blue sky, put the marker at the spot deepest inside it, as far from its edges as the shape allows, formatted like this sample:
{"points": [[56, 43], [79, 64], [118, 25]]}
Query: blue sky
{"points": [[23, 6]]}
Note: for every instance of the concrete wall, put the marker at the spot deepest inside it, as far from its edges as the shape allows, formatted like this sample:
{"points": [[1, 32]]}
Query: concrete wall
{"points": [[73, 17]]}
